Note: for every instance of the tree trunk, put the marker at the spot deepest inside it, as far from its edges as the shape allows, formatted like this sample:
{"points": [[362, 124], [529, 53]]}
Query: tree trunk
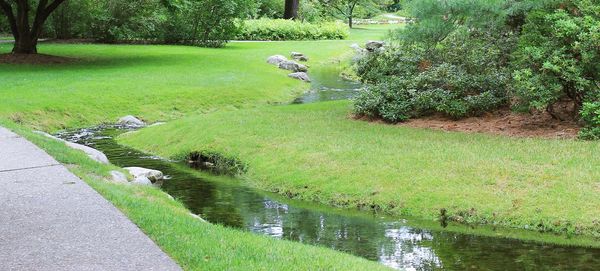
{"points": [[291, 9], [25, 33], [25, 45], [350, 21]]}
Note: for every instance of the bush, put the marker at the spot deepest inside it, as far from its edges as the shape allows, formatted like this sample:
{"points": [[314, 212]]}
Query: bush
{"points": [[464, 75], [279, 29], [209, 23], [558, 56], [590, 114]]}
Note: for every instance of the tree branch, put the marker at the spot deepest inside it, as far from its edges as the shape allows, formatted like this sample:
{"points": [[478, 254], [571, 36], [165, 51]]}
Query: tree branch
{"points": [[8, 11]]}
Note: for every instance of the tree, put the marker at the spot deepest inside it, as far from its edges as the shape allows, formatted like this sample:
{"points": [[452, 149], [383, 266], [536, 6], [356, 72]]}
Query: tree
{"points": [[291, 9], [26, 33], [345, 8]]}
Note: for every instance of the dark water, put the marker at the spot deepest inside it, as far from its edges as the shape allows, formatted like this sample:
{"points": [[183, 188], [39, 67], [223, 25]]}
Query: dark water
{"points": [[327, 85], [395, 242]]}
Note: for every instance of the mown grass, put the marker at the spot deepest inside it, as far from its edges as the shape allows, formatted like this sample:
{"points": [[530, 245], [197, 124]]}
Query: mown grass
{"points": [[317, 152], [153, 82], [193, 244]]}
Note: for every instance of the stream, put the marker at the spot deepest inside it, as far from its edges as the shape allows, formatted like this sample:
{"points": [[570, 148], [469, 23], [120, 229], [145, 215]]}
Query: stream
{"points": [[400, 243]]}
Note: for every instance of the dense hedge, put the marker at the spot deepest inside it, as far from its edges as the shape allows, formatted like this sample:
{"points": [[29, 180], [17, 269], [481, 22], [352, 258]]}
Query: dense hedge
{"points": [[279, 29], [463, 58]]}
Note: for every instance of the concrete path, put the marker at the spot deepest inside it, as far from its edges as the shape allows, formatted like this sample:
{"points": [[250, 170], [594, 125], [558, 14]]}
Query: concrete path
{"points": [[52, 220]]}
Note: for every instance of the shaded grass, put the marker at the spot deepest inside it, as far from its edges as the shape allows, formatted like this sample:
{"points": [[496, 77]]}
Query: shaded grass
{"points": [[316, 152], [153, 82], [193, 244]]}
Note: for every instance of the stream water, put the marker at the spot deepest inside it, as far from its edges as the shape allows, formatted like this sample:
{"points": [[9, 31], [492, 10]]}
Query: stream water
{"points": [[395, 242]]}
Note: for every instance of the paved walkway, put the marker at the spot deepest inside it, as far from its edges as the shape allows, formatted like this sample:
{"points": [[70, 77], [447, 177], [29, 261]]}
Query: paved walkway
{"points": [[52, 220]]}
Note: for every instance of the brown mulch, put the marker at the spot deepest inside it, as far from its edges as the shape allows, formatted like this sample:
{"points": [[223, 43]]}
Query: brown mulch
{"points": [[504, 122], [35, 59]]}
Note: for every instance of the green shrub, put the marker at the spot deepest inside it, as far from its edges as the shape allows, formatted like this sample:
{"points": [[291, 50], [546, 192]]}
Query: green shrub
{"points": [[279, 29], [558, 57], [464, 75], [590, 114]]}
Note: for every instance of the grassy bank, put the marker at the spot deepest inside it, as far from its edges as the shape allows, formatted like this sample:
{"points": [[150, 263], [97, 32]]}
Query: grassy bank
{"points": [[193, 244], [316, 152], [153, 82]]}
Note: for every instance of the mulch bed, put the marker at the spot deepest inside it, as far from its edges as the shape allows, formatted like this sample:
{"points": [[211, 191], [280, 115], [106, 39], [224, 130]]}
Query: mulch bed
{"points": [[35, 59]]}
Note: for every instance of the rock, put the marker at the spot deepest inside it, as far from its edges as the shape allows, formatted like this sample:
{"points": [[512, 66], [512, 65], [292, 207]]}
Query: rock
{"points": [[300, 76], [92, 153], [142, 180], [357, 48], [276, 59], [131, 121], [373, 45], [299, 56], [293, 66], [153, 175], [118, 177]]}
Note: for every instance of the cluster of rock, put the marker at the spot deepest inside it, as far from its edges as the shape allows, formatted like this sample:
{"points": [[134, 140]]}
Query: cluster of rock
{"points": [[299, 71], [141, 176], [370, 46]]}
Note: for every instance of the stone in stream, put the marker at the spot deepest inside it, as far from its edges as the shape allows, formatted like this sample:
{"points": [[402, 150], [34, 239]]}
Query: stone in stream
{"points": [[131, 121], [357, 48], [293, 66], [118, 177], [92, 153], [142, 180], [153, 175], [373, 45], [276, 59], [300, 76], [299, 56]]}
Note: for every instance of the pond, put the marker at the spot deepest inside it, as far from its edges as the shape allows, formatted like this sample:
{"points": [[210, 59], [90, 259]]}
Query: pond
{"points": [[402, 243]]}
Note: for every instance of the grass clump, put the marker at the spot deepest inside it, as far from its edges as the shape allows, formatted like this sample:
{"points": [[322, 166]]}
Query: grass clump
{"points": [[317, 152], [216, 163], [280, 29]]}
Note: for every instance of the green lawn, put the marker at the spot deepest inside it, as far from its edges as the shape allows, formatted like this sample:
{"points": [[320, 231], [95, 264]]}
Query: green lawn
{"points": [[154, 82], [317, 152], [193, 244]]}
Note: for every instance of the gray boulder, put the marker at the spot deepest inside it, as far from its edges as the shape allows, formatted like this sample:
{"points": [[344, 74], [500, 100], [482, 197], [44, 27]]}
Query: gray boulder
{"points": [[276, 59], [142, 180], [92, 153], [300, 76], [118, 177], [131, 121], [293, 66], [299, 56], [357, 48], [153, 175], [373, 45]]}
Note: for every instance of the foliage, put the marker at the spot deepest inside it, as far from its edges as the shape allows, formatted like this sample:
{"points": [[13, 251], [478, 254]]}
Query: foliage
{"points": [[558, 56], [128, 20], [464, 75], [209, 23], [590, 113], [279, 29]]}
